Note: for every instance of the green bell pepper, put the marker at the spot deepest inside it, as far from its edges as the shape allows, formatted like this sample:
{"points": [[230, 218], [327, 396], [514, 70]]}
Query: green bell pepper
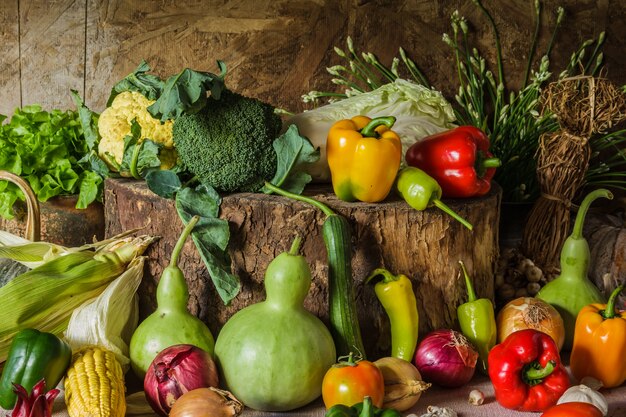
{"points": [[477, 321], [422, 191], [33, 355]]}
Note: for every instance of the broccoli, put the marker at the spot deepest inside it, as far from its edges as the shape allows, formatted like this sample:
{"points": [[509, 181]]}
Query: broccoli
{"points": [[228, 144]]}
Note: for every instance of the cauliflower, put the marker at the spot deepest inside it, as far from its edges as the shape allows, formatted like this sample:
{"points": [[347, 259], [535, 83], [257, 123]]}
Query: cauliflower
{"points": [[115, 121]]}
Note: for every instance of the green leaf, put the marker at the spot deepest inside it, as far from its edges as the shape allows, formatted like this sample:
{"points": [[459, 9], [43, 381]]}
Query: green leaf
{"points": [[148, 156], [140, 81], [186, 92], [88, 122], [163, 182], [211, 236], [92, 162], [294, 152], [89, 189]]}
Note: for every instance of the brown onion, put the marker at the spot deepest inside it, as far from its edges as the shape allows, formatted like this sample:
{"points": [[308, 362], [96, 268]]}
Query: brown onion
{"points": [[403, 383], [175, 371], [206, 402], [530, 313]]}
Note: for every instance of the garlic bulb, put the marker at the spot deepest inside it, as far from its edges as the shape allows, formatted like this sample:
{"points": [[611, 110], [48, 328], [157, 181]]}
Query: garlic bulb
{"points": [[582, 393]]}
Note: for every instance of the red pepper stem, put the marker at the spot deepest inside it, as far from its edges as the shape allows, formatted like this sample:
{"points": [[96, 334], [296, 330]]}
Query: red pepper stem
{"points": [[440, 204], [491, 163], [609, 311], [533, 374], [471, 294], [369, 131]]}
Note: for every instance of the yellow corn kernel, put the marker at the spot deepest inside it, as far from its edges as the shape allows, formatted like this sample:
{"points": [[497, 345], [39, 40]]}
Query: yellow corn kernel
{"points": [[94, 384]]}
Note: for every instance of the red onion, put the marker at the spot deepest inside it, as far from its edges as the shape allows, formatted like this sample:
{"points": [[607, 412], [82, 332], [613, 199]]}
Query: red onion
{"points": [[175, 371], [446, 358]]}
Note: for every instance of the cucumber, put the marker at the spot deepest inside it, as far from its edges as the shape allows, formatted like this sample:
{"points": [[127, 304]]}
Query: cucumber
{"points": [[344, 321]]}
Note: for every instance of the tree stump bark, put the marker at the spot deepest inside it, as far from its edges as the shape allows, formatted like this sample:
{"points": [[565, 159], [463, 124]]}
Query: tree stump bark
{"points": [[426, 246]]}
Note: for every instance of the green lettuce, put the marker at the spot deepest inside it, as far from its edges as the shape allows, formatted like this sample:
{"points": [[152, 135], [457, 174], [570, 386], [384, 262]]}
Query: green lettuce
{"points": [[46, 149]]}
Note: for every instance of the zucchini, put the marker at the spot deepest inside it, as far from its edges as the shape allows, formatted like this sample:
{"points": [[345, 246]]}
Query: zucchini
{"points": [[344, 321]]}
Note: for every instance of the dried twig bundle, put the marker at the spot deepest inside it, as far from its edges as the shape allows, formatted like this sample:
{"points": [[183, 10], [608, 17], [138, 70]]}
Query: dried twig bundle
{"points": [[584, 106]]}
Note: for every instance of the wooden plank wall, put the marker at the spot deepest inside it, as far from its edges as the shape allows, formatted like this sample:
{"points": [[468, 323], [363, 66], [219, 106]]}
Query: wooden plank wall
{"points": [[275, 50]]}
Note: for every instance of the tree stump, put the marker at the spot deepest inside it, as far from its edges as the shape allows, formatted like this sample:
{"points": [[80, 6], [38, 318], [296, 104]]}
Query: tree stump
{"points": [[426, 246]]}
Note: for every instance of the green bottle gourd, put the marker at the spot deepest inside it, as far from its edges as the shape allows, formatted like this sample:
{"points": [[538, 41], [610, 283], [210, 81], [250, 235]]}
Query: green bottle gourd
{"points": [[171, 323], [572, 289], [273, 355]]}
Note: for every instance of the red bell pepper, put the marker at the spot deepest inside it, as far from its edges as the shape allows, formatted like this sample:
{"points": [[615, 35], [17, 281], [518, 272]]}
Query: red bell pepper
{"points": [[526, 371], [459, 159]]}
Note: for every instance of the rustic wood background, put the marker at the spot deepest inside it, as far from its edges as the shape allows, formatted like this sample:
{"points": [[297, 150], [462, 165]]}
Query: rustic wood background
{"points": [[276, 50]]}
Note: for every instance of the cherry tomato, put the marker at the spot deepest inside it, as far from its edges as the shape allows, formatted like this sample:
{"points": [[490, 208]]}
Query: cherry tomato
{"points": [[348, 382], [573, 409]]}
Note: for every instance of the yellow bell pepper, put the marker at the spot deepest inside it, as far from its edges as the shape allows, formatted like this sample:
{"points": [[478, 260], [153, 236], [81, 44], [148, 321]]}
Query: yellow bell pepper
{"points": [[599, 346], [364, 156]]}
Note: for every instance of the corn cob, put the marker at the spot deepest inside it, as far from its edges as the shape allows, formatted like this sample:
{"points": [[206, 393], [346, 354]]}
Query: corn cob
{"points": [[94, 384]]}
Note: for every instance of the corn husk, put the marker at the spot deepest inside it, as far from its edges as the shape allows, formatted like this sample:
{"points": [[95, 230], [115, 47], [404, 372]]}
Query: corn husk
{"points": [[34, 254], [45, 297], [109, 320]]}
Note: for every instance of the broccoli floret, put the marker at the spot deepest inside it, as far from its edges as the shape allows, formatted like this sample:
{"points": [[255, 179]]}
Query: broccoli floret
{"points": [[228, 144]]}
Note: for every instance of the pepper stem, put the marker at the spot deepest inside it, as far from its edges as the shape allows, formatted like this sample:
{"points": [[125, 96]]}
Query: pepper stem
{"points": [[491, 163], [609, 311], [181, 241], [534, 373], [367, 411], [584, 206], [323, 207], [369, 131], [471, 294], [441, 205], [387, 276]]}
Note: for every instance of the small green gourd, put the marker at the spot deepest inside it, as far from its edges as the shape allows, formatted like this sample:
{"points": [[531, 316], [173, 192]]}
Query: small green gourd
{"points": [[273, 355], [171, 323], [572, 289]]}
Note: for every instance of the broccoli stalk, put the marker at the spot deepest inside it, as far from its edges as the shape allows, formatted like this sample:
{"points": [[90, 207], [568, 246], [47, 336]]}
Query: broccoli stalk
{"points": [[228, 144]]}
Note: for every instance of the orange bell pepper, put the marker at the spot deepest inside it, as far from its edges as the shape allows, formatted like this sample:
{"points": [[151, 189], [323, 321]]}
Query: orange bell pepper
{"points": [[364, 156], [599, 345]]}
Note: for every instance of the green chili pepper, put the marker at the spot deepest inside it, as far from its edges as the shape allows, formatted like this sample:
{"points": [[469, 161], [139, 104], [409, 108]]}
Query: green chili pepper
{"points": [[477, 321], [422, 191], [33, 356], [395, 293]]}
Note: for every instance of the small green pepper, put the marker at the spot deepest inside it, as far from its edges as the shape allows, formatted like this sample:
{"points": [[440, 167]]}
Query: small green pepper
{"points": [[362, 409], [395, 293], [33, 356], [477, 321], [422, 191]]}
